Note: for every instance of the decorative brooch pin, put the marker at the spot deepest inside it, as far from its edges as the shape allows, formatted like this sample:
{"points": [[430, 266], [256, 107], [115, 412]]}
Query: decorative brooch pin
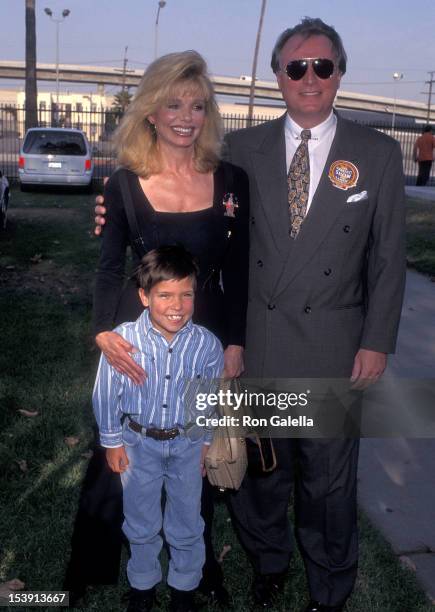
{"points": [[230, 204]]}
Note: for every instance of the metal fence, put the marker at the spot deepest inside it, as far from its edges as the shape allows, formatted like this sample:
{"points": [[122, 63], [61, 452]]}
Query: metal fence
{"points": [[99, 124]]}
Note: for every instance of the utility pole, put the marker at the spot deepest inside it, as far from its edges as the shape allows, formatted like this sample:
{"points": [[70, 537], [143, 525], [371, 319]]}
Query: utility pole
{"points": [[429, 95], [254, 63], [124, 69], [124, 97]]}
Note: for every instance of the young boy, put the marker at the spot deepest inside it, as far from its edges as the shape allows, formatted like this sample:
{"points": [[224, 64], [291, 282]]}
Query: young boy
{"points": [[148, 431]]}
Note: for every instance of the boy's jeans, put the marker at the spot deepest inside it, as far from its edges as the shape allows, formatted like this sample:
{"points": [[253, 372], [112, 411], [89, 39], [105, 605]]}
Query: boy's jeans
{"points": [[174, 464]]}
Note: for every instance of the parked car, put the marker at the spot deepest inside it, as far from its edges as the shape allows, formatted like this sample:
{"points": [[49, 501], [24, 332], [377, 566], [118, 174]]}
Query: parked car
{"points": [[55, 156]]}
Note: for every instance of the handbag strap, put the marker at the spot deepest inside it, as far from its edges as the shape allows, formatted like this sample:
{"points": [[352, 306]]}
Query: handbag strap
{"points": [[137, 240], [271, 467]]}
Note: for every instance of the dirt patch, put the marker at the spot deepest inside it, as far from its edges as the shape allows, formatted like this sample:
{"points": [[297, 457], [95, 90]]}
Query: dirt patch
{"points": [[46, 278]]}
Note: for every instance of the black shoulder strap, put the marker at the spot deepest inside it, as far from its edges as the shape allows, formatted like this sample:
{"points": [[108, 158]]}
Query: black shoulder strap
{"points": [[228, 177], [130, 211]]}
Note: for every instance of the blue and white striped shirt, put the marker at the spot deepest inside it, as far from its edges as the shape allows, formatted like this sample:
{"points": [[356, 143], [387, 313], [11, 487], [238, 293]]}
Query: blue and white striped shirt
{"points": [[176, 372]]}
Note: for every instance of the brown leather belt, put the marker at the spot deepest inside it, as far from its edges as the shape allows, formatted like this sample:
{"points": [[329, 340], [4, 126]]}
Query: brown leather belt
{"points": [[153, 432]]}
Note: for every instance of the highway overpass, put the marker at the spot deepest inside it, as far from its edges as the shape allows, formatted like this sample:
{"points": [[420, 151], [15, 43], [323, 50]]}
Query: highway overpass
{"points": [[226, 86]]}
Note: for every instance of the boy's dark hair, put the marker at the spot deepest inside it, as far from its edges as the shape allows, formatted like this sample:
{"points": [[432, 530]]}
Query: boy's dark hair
{"points": [[306, 28], [165, 263]]}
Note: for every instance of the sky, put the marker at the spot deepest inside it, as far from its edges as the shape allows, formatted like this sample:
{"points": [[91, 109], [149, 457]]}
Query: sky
{"points": [[380, 36]]}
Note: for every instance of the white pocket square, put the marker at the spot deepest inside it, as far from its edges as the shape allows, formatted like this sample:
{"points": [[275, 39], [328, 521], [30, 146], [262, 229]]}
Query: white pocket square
{"points": [[357, 197]]}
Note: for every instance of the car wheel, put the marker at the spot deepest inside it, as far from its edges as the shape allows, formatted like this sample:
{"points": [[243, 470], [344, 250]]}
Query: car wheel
{"points": [[24, 187]]}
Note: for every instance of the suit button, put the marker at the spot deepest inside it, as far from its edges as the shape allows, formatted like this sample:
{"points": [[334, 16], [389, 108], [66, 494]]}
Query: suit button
{"points": [[346, 229], [327, 272], [307, 309], [259, 263], [252, 220], [271, 306]]}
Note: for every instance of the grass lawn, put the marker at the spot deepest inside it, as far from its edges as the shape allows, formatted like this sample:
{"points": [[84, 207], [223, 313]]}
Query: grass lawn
{"points": [[420, 236], [48, 363]]}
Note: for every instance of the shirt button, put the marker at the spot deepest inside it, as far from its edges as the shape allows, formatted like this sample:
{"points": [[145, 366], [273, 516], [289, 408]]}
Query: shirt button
{"points": [[271, 306], [164, 405], [259, 263], [307, 309], [170, 350], [168, 376], [346, 229], [327, 272]]}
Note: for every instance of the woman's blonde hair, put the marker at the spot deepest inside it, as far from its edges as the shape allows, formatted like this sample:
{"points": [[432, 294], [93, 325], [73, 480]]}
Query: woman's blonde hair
{"points": [[173, 74]]}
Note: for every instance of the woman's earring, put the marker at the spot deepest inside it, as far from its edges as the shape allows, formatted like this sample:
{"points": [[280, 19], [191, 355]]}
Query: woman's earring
{"points": [[153, 128]]}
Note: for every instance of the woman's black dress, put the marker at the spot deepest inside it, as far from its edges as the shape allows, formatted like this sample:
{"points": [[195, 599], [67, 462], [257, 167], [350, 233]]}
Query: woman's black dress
{"points": [[218, 237]]}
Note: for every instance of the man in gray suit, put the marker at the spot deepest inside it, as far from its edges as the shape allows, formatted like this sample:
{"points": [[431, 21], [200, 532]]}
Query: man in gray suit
{"points": [[326, 283]]}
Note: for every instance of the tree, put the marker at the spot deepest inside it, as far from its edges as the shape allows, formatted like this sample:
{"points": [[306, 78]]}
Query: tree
{"points": [[31, 103], [254, 63], [121, 100]]}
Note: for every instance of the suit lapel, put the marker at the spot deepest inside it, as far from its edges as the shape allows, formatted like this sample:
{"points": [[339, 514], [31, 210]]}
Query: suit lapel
{"points": [[269, 164], [327, 204]]}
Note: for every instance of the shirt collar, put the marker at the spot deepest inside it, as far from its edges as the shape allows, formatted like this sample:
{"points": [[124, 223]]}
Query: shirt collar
{"points": [[146, 327], [318, 132]]}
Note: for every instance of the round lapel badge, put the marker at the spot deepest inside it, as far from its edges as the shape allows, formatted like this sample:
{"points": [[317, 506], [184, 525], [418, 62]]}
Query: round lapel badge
{"points": [[343, 174]]}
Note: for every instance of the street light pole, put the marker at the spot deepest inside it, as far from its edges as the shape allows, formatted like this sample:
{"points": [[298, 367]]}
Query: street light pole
{"points": [[396, 76], [57, 21], [162, 4], [254, 64]]}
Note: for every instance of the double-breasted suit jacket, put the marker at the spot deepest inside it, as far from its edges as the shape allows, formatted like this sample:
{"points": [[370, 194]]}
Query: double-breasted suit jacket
{"points": [[314, 301]]}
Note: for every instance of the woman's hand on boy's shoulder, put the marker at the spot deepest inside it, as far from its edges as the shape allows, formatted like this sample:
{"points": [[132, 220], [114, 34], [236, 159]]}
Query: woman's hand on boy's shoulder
{"points": [[117, 459], [118, 351]]}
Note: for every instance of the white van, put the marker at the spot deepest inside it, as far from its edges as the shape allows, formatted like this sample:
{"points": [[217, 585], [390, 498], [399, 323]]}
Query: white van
{"points": [[55, 156]]}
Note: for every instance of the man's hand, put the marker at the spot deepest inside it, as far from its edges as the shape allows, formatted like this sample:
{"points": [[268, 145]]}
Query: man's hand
{"points": [[100, 211], [117, 459], [204, 451], [233, 361], [117, 352], [368, 367]]}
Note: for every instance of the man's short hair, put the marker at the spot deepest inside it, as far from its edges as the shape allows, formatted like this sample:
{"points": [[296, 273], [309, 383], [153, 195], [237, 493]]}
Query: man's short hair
{"points": [[427, 128], [306, 28], [163, 264]]}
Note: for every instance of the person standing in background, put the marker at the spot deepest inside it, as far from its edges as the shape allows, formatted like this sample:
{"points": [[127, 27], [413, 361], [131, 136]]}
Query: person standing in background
{"points": [[423, 155]]}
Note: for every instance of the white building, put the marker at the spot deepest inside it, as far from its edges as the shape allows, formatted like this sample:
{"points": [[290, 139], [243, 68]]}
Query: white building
{"points": [[77, 110]]}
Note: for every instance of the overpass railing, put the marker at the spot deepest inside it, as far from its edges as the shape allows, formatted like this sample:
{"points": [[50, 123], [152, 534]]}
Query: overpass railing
{"points": [[99, 124]]}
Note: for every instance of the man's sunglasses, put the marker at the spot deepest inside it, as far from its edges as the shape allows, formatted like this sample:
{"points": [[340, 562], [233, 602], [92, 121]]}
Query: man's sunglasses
{"points": [[323, 68]]}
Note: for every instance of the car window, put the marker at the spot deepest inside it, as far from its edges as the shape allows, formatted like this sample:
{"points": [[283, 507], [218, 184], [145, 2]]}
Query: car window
{"points": [[55, 143]]}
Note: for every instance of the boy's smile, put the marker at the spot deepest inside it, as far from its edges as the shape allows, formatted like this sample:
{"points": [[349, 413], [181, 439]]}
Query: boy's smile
{"points": [[170, 305]]}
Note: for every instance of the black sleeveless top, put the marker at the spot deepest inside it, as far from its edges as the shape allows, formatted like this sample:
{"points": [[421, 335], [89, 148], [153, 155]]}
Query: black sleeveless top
{"points": [[216, 236]]}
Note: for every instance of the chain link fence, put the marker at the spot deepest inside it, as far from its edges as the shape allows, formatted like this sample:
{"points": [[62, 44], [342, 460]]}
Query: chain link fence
{"points": [[99, 124]]}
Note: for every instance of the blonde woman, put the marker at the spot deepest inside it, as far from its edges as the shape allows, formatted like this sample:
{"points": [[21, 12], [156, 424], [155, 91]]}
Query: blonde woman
{"points": [[168, 148]]}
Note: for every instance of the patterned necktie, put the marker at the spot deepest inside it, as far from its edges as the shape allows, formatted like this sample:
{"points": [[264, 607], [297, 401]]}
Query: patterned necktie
{"points": [[298, 179]]}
